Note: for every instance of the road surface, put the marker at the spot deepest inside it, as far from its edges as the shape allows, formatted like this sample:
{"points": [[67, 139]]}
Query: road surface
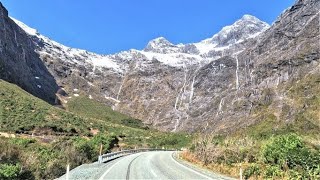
{"points": [[145, 165]]}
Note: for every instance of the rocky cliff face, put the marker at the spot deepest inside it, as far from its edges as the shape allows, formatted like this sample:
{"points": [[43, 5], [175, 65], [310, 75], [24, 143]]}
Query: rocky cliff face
{"points": [[238, 77], [264, 74], [20, 64]]}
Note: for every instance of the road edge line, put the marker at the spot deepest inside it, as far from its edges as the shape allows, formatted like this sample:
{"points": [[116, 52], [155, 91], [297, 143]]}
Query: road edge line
{"points": [[186, 167]]}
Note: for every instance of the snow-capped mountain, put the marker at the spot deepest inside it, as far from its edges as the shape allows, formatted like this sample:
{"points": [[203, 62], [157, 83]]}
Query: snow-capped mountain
{"points": [[245, 28], [48, 47], [160, 48], [216, 84], [107, 76]]}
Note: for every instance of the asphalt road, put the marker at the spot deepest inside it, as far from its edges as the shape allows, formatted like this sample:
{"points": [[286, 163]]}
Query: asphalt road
{"points": [[145, 165], [151, 165]]}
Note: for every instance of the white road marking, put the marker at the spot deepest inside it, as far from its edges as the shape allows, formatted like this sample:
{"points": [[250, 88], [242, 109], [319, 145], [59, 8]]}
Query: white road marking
{"points": [[105, 173], [200, 174], [153, 173]]}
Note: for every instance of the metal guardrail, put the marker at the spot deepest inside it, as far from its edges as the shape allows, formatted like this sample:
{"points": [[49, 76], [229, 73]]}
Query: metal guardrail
{"points": [[114, 155]]}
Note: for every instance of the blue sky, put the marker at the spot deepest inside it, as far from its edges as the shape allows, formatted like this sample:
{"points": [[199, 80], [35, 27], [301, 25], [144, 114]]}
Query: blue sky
{"points": [[109, 26]]}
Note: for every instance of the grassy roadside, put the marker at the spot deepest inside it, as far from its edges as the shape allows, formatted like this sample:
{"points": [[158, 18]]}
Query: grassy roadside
{"points": [[272, 148], [286, 156]]}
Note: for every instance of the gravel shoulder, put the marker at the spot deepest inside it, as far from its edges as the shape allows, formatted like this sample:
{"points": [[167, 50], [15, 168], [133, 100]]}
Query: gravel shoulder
{"points": [[200, 169]]}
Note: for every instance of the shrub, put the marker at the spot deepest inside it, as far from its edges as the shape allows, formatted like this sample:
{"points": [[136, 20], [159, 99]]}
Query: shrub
{"points": [[167, 141], [252, 170], [289, 153], [277, 150], [272, 171], [231, 156], [134, 123], [90, 148], [9, 171], [22, 142]]}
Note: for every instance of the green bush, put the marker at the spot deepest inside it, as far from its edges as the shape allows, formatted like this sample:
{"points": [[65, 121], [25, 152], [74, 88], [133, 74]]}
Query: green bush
{"points": [[231, 156], [170, 140], [22, 142], [90, 147], [9, 171], [252, 170], [167, 141], [290, 153], [134, 123], [277, 150], [272, 171]]}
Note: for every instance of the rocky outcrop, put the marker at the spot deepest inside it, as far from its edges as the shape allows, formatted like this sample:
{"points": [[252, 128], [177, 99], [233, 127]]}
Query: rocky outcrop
{"points": [[20, 64], [242, 75]]}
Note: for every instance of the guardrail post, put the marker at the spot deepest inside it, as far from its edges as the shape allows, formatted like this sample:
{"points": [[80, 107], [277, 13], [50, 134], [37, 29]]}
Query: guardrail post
{"points": [[67, 174], [240, 172], [100, 152], [100, 159]]}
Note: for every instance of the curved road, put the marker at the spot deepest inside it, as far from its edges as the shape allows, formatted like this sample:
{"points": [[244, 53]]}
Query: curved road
{"points": [[145, 165]]}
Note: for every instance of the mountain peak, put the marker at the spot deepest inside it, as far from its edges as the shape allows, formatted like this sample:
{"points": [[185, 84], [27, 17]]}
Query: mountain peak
{"points": [[159, 39], [246, 27], [158, 43], [248, 20], [248, 17]]}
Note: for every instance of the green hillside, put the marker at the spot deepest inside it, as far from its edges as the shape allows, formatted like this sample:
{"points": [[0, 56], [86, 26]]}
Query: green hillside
{"points": [[89, 108], [62, 137], [21, 112]]}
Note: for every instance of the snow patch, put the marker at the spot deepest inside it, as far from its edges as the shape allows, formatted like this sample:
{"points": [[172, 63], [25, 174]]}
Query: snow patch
{"points": [[173, 59], [26, 28], [113, 99], [90, 84], [104, 61], [73, 55]]}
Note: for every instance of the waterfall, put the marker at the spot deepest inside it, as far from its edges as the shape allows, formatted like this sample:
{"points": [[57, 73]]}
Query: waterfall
{"points": [[176, 125], [23, 54], [192, 90], [237, 75], [207, 124], [278, 80], [15, 38], [177, 99], [220, 106], [181, 91], [120, 88]]}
